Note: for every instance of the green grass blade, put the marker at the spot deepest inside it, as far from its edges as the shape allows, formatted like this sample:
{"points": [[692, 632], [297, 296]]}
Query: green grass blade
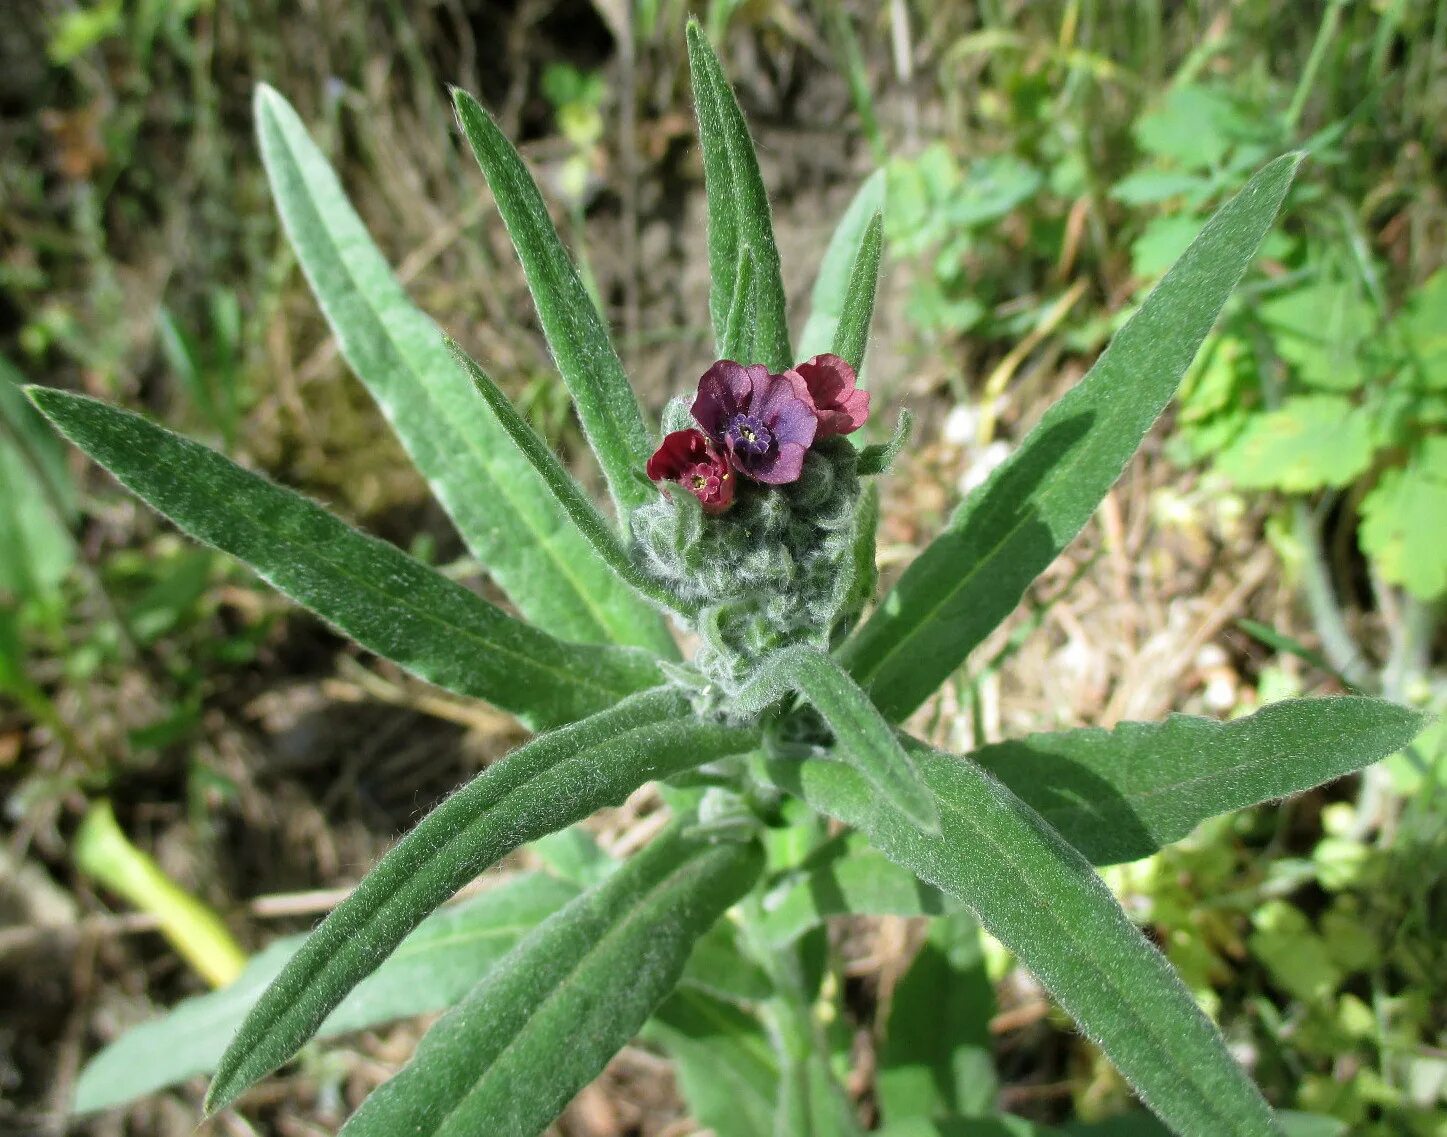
{"points": [[862, 737], [568, 494], [370, 590], [1008, 531], [432, 969], [548, 1018], [841, 267], [738, 208], [1118, 795], [1041, 899], [550, 783], [510, 524], [574, 329], [739, 331]]}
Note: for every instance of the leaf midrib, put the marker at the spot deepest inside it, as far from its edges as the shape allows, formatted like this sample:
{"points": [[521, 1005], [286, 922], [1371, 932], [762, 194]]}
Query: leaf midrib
{"points": [[543, 540], [556, 265], [570, 976], [1066, 941]]}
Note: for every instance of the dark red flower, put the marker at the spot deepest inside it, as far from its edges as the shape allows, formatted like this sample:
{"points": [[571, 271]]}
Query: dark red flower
{"points": [[764, 423], [840, 405], [688, 458]]}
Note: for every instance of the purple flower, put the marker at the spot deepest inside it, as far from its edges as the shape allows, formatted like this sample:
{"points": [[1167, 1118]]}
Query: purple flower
{"points": [[841, 407], [688, 458], [764, 423]]}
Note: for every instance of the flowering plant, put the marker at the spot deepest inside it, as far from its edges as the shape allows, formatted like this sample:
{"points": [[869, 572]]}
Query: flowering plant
{"points": [[751, 525]]}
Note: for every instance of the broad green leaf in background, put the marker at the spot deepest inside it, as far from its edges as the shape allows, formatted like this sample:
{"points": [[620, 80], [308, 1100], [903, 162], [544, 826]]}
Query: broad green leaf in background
{"points": [[1194, 127], [433, 968], [553, 781], [501, 508], [862, 738], [1041, 899], [1019, 521], [574, 329], [725, 1067], [844, 876], [1321, 329], [937, 1059], [1119, 795], [565, 1000], [375, 593], [837, 270], [1404, 521], [38, 500], [738, 207], [1308, 442], [1422, 326]]}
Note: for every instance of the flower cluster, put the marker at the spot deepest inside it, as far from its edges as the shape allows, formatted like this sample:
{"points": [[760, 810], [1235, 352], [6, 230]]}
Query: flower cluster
{"points": [[758, 425]]}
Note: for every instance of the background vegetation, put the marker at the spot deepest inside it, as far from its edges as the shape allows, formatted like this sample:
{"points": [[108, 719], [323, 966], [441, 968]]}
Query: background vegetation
{"points": [[174, 741]]}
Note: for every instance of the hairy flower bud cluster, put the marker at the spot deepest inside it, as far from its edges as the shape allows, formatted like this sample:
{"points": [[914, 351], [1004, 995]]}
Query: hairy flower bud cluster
{"points": [[768, 555], [777, 569]]}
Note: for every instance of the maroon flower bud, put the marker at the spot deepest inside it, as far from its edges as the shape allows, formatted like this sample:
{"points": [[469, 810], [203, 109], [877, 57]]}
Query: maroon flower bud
{"points": [[688, 458], [840, 405], [764, 423]]}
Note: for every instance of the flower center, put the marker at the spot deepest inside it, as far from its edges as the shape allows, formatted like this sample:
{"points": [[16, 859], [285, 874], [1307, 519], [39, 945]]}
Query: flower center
{"points": [[747, 435], [704, 482]]}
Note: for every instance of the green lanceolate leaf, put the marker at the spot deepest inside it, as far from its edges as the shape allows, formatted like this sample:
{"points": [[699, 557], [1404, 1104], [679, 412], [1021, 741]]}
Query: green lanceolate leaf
{"points": [[433, 968], [738, 208], [1009, 530], [1118, 795], [846, 875], [1041, 899], [553, 781], [568, 494], [739, 330], [851, 338], [722, 1059], [548, 1018], [509, 522], [936, 1059], [862, 738], [370, 590], [847, 276], [574, 329]]}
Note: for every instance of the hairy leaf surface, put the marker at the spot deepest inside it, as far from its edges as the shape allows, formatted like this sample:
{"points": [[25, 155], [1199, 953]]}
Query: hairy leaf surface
{"points": [[510, 523], [1008, 531], [551, 782], [1118, 795], [850, 264], [370, 590], [1041, 899], [738, 208], [551, 1015], [574, 329], [864, 739]]}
